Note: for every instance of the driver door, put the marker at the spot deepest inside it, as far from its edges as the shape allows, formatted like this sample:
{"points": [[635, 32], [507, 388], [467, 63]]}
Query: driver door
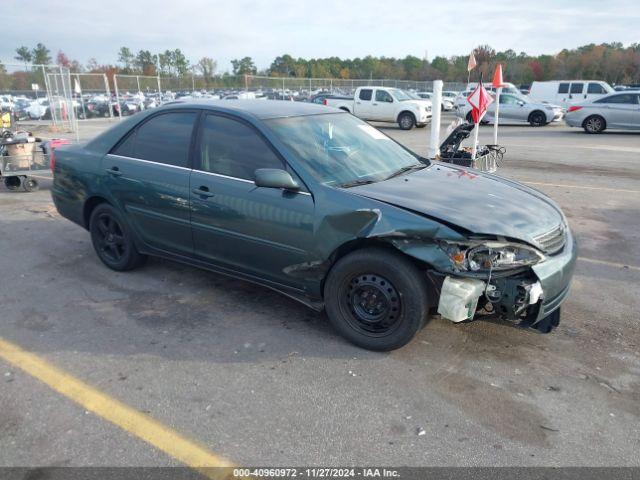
{"points": [[383, 107], [263, 232]]}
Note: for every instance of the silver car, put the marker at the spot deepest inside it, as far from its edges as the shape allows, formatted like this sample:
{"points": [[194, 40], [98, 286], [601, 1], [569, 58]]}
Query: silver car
{"points": [[618, 110], [516, 109]]}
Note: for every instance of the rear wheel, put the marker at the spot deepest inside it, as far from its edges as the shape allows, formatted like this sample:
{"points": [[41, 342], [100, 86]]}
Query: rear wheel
{"points": [[594, 124], [112, 239], [376, 299], [406, 121], [537, 119], [12, 183]]}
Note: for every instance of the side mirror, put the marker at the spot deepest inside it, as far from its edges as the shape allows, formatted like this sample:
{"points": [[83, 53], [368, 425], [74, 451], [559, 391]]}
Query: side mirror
{"points": [[275, 178], [521, 103]]}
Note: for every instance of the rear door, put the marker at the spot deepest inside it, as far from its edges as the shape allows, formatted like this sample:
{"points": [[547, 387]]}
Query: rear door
{"points": [[147, 175], [263, 232], [363, 107]]}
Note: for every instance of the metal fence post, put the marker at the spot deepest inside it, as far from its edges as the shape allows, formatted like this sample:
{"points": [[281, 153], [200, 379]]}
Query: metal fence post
{"points": [[115, 86], [108, 91]]}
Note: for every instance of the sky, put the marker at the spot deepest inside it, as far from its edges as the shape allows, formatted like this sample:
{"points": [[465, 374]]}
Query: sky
{"points": [[230, 29]]}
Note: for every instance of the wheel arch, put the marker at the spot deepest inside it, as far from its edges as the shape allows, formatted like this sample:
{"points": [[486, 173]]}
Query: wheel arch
{"points": [[403, 112], [345, 109], [362, 243], [89, 206]]}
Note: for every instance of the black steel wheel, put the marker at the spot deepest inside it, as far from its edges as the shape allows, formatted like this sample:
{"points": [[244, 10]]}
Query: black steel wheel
{"points": [[376, 298], [374, 304], [112, 240]]}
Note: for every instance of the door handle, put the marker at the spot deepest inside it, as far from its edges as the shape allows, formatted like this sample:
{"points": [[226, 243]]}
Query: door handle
{"points": [[359, 103], [203, 191], [374, 104], [114, 171]]}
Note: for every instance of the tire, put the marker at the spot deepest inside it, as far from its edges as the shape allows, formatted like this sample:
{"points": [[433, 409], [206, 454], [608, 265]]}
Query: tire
{"points": [[112, 239], [13, 183], [390, 280], [537, 119], [594, 124], [406, 121], [30, 184]]}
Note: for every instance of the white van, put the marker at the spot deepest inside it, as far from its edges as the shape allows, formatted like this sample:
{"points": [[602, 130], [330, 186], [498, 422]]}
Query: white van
{"points": [[562, 92], [506, 87]]}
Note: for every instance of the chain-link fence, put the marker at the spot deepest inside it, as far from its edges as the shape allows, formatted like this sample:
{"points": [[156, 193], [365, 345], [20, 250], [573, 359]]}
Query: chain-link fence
{"points": [[92, 92], [38, 93], [135, 93]]}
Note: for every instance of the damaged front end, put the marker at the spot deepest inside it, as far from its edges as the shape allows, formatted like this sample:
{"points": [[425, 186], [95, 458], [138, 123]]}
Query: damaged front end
{"points": [[498, 279]]}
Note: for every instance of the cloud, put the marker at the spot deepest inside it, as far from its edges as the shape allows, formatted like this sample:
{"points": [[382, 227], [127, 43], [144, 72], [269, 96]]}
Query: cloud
{"points": [[265, 29]]}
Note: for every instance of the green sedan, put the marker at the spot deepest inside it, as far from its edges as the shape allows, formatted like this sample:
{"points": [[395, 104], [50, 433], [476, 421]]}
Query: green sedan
{"points": [[316, 204]]}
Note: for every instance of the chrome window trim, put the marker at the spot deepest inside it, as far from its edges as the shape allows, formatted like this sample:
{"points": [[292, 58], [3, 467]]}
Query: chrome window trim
{"points": [[194, 170]]}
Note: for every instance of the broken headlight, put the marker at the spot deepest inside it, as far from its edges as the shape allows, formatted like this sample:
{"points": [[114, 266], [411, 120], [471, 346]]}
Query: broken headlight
{"points": [[491, 256]]}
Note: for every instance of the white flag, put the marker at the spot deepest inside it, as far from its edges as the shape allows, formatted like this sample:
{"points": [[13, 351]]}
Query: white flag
{"points": [[472, 62], [76, 87]]}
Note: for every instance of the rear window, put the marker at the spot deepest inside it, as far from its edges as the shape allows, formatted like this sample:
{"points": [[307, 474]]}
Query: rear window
{"points": [[563, 88], [365, 94]]}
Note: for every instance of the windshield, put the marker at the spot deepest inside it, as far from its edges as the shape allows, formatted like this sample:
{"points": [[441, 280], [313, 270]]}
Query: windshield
{"points": [[399, 95], [340, 149]]}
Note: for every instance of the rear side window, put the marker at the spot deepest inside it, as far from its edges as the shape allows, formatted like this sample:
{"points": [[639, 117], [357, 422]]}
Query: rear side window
{"points": [[595, 88], [626, 98], [229, 147], [563, 88], [365, 94], [163, 139], [577, 87]]}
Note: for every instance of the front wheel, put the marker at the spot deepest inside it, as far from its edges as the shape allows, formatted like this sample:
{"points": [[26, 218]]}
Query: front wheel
{"points": [[30, 184], [406, 121], [376, 299], [537, 119], [112, 239]]}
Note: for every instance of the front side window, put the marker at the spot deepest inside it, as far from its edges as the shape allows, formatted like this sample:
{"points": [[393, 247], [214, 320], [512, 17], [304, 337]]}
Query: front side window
{"points": [[595, 88], [383, 96], [339, 149], [508, 100], [232, 148], [165, 138]]}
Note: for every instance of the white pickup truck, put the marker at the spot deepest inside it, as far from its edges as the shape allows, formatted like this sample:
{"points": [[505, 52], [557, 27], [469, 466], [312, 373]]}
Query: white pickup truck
{"points": [[384, 104]]}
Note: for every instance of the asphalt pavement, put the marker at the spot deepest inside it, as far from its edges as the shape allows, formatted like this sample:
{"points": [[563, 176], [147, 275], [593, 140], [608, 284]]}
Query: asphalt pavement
{"points": [[258, 379]]}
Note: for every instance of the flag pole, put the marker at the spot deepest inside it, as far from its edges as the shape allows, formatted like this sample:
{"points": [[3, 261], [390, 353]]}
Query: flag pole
{"points": [[474, 147]]}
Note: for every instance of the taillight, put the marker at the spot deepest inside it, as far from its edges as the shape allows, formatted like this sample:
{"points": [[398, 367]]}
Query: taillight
{"points": [[324, 101], [52, 160], [573, 108]]}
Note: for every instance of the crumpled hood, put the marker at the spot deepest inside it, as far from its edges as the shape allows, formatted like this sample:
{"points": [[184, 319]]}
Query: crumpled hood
{"points": [[480, 203]]}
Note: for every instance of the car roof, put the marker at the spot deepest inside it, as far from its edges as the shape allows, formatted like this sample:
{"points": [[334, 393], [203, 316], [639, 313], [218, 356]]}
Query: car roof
{"points": [[261, 109]]}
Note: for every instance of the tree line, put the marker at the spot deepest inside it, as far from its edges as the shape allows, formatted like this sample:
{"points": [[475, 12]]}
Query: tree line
{"points": [[612, 62]]}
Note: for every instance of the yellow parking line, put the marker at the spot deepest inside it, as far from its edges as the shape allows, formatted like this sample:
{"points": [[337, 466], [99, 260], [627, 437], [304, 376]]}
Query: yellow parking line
{"points": [[609, 264], [583, 187], [142, 426]]}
